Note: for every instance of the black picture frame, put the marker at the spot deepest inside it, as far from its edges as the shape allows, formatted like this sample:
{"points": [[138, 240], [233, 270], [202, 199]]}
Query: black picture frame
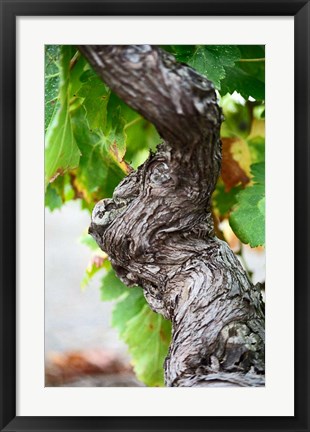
{"points": [[10, 9]]}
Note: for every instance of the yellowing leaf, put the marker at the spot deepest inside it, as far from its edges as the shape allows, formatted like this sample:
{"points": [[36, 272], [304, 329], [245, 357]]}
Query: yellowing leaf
{"points": [[231, 172], [241, 154], [257, 128]]}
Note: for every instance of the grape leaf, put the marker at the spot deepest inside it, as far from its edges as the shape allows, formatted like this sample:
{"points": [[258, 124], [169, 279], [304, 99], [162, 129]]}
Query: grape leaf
{"points": [[62, 152], [89, 241], [148, 337], [248, 218], [51, 82], [231, 68], [253, 60], [101, 165], [141, 138], [231, 172], [224, 201], [237, 118], [99, 172], [59, 192], [118, 115], [127, 132], [95, 96], [241, 153], [247, 77], [94, 122], [120, 127], [111, 286], [257, 149], [209, 60], [258, 171], [127, 308], [237, 79], [52, 199], [251, 51], [146, 333]]}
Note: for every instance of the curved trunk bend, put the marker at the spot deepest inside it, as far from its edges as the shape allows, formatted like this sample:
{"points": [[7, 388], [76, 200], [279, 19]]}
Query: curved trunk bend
{"points": [[158, 231]]}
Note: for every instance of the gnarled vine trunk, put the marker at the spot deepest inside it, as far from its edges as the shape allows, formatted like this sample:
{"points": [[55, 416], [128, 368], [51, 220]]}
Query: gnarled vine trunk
{"points": [[158, 230]]}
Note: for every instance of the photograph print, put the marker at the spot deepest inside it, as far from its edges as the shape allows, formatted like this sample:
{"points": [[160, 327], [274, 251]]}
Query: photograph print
{"points": [[154, 216]]}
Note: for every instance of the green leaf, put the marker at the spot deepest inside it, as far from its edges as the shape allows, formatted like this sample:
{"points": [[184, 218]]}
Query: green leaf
{"points": [[52, 199], [58, 192], [87, 240], [209, 60], [244, 83], [224, 201], [141, 138], [95, 96], [252, 51], [99, 172], [127, 132], [62, 152], [148, 337], [91, 131], [258, 171], [237, 118], [181, 52], [231, 68], [118, 115], [257, 149], [247, 77], [127, 308], [111, 286], [101, 167], [98, 262], [253, 61], [52, 53], [146, 333], [248, 219]]}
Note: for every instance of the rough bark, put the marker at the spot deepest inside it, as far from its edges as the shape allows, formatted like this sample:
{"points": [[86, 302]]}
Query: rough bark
{"points": [[158, 230]]}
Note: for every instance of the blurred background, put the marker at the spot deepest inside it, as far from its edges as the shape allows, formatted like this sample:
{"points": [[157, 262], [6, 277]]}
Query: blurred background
{"points": [[81, 348]]}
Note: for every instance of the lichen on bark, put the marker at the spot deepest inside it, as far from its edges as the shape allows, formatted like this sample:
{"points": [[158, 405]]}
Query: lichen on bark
{"points": [[158, 230]]}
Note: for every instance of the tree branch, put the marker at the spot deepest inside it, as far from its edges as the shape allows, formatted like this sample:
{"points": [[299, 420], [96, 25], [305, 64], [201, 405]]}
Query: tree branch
{"points": [[158, 230]]}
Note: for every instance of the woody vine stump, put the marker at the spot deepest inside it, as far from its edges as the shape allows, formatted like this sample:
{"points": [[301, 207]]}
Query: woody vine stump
{"points": [[158, 229]]}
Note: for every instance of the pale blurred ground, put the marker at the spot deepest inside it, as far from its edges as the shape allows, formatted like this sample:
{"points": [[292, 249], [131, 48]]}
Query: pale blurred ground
{"points": [[81, 348], [75, 319]]}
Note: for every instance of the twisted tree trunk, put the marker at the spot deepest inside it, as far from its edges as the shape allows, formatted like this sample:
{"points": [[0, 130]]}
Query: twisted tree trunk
{"points": [[158, 230]]}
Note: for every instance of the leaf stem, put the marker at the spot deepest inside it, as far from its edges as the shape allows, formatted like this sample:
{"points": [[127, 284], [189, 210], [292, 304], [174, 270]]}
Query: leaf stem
{"points": [[262, 59], [52, 76], [133, 122]]}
